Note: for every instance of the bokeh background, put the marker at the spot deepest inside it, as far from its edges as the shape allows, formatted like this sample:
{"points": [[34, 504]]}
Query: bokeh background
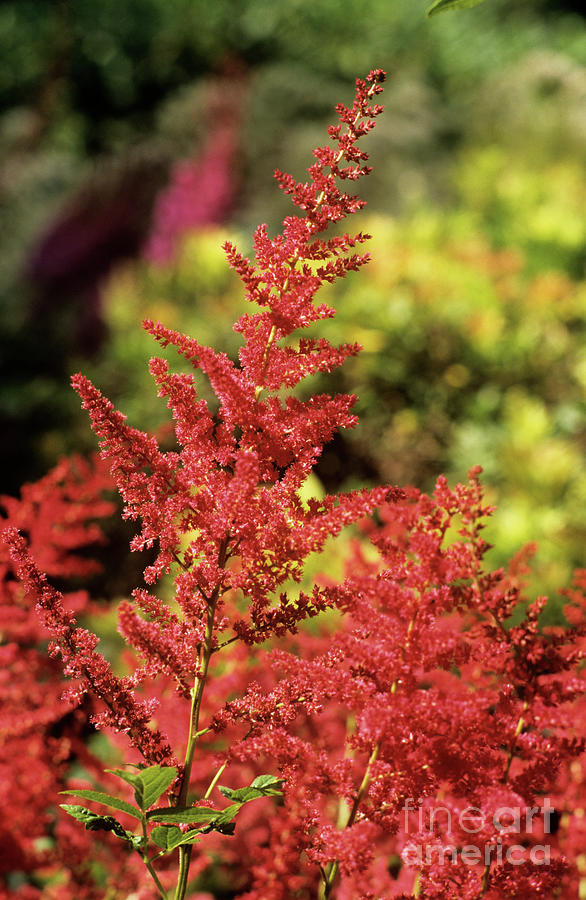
{"points": [[136, 135]]}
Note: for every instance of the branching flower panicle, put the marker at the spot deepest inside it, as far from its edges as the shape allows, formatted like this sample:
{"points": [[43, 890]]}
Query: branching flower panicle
{"points": [[424, 693]]}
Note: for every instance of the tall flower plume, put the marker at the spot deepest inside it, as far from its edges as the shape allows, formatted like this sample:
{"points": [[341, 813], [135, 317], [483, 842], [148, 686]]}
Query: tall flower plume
{"points": [[423, 694]]}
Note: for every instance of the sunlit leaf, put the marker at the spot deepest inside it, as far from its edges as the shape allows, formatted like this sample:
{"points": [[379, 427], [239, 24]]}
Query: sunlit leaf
{"points": [[168, 837], [443, 5], [155, 781], [149, 783], [263, 786], [192, 814], [107, 800]]}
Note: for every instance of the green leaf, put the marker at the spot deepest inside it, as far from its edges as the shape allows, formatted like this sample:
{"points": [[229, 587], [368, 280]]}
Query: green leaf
{"points": [[188, 815], [227, 792], [223, 822], [167, 837], [267, 781], [443, 5], [241, 795], [107, 800], [263, 786], [94, 822], [155, 781], [219, 819], [131, 779], [149, 783]]}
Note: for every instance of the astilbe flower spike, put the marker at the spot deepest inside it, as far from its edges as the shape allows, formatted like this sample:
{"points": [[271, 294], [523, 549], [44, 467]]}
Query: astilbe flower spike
{"points": [[448, 719], [422, 718], [223, 509], [43, 721]]}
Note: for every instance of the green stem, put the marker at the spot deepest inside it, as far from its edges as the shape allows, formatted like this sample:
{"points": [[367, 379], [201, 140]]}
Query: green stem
{"points": [[184, 860], [155, 877], [417, 885], [484, 882], [148, 862], [194, 733], [214, 780], [518, 730]]}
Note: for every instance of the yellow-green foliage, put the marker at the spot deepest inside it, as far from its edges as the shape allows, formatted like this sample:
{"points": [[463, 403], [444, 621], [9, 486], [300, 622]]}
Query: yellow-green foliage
{"points": [[475, 354], [197, 293]]}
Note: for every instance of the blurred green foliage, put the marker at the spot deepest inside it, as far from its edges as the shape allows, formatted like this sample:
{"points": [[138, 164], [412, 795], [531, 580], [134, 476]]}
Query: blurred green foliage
{"points": [[97, 73], [472, 358], [199, 294]]}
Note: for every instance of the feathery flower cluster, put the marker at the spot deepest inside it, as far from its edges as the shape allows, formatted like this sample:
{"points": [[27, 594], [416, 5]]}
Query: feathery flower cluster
{"points": [[43, 721], [435, 689], [424, 714]]}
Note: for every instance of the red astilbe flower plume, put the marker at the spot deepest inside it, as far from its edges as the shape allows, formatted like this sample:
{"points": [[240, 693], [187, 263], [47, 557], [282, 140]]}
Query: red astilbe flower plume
{"points": [[58, 514], [231, 491], [423, 700], [90, 671], [224, 509], [43, 727], [424, 695]]}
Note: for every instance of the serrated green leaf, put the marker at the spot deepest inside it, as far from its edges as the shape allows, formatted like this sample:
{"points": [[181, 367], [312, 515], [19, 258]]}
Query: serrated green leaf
{"points": [[133, 780], [186, 815], [149, 783], [223, 821], [168, 837], [443, 5], [227, 814], [263, 786], [130, 777], [241, 795], [107, 800], [266, 781], [155, 781], [94, 822]]}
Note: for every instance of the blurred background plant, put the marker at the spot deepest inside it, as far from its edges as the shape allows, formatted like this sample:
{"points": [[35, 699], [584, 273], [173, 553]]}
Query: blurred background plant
{"points": [[136, 135]]}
